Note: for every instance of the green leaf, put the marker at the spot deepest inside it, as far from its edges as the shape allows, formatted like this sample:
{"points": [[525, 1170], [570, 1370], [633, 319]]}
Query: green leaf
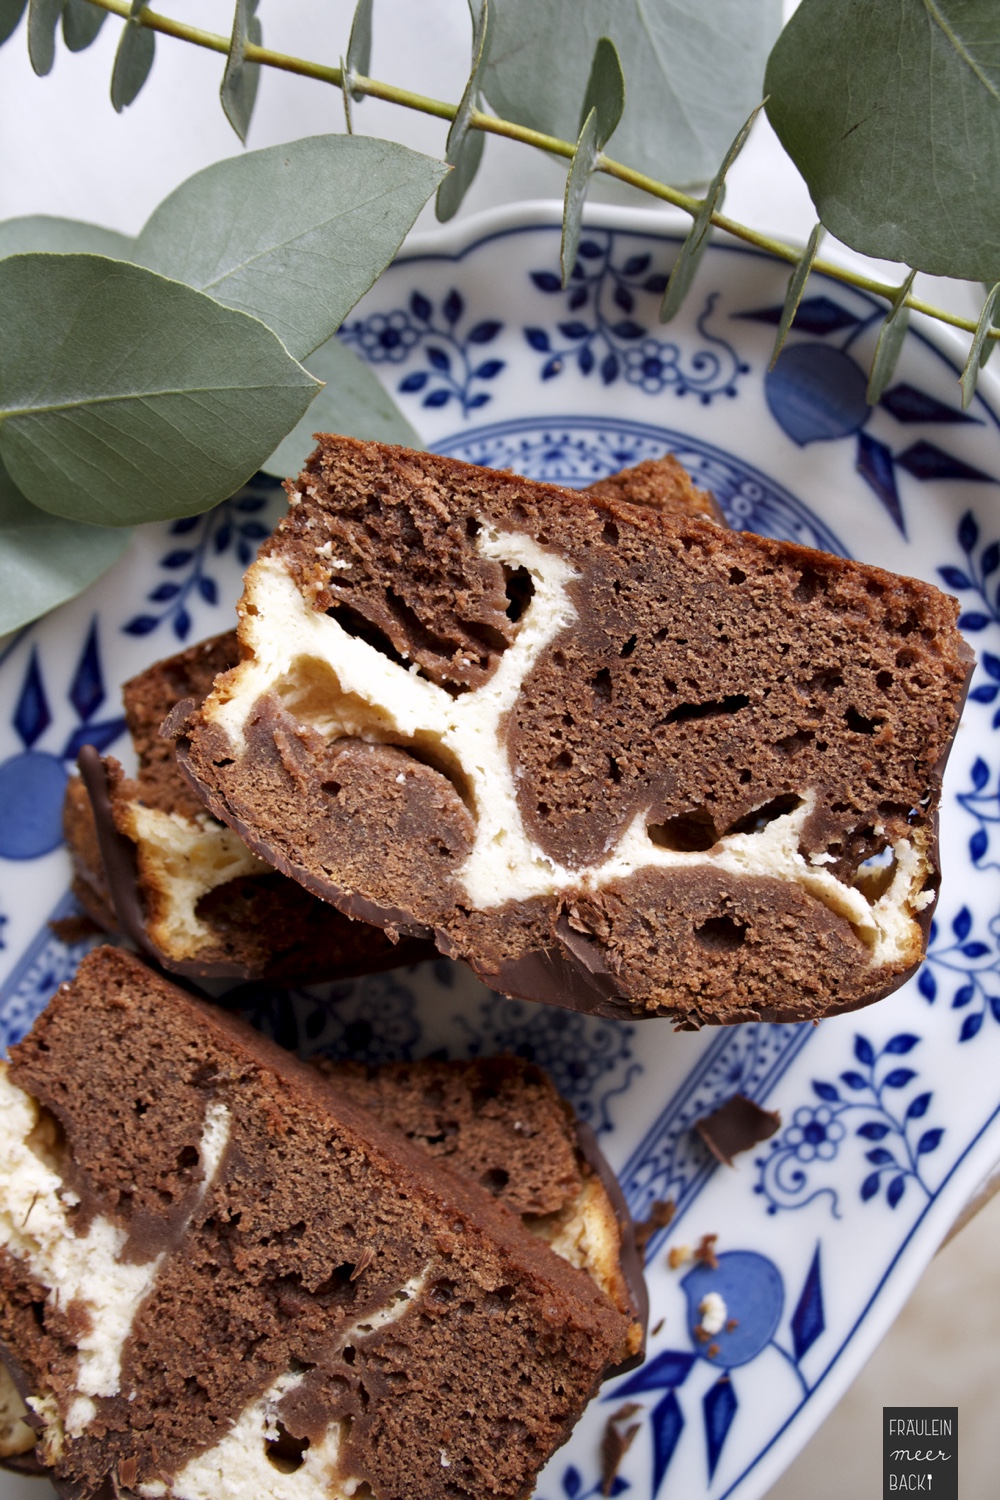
{"points": [[40, 232], [696, 244], [981, 348], [359, 47], [238, 91], [577, 181], [11, 12], [602, 109], [464, 148], [43, 18], [890, 342], [793, 296], [125, 397], [133, 59], [295, 234], [44, 559], [352, 402], [605, 91], [694, 67], [891, 112], [81, 23]]}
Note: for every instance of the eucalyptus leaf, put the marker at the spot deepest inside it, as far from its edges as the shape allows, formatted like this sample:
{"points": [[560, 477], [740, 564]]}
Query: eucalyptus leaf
{"points": [[980, 351], [40, 232], [359, 47], [890, 342], [891, 112], [133, 59], [352, 402], [695, 245], [577, 181], [294, 234], [43, 18], [44, 559], [238, 91], [796, 288], [11, 12], [125, 397], [81, 23], [605, 93], [694, 69], [464, 147]]}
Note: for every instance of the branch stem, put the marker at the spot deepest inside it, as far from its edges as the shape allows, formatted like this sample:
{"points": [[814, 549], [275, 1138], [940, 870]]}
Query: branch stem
{"points": [[492, 125]]}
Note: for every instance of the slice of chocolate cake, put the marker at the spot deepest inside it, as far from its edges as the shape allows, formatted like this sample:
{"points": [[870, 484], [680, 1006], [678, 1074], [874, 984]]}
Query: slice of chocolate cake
{"points": [[613, 758], [150, 862], [217, 1271], [500, 1122]]}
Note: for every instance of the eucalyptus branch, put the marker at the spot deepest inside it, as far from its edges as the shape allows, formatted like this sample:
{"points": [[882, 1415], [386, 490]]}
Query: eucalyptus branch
{"points": [[493, 125]]}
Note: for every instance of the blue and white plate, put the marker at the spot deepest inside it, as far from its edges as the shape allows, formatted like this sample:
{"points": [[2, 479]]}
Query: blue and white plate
{"points": [[889, 1116]]}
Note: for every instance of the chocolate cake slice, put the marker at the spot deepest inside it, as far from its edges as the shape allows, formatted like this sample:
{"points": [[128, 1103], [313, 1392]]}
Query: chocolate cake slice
{"points": [[501, 1122], [150, 862], [614, 758], [217, 1272]]}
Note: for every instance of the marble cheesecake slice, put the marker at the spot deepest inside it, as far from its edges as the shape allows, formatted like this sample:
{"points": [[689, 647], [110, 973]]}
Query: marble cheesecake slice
{"points": [[220, 1275], [150, 862], [613, 757]]}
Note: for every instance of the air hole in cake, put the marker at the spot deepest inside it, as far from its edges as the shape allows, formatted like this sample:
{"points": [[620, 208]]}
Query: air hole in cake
{"points": [[520, 590], [686, 833], [562, 762], [47, 1141], [737, 576], [311, 692], [614, 770], [875, 874], [825, 681], [629, 646], [442, 1291], [285, 1452], [498, 1300], [353, 623], [188, 1158], [809, 585], [759, 817], [791, 744], [601, 684], [731, 704], [611, 533], [331, 788], [495, 1180], [884, 680], [721, 933], [859, 723], [473, 527], [347, 1354]]}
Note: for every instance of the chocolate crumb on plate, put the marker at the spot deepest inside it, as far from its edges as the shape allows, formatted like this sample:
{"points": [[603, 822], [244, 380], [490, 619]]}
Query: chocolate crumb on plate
{"points": [[616, 1441], [738, 1125]]}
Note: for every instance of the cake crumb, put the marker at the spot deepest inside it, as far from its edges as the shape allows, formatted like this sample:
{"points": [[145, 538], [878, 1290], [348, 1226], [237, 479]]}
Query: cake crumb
{"points": [[661, 1212], [679, 1255], [657, 1328], [616, 1442], [704, 1252], [712, 1351]]}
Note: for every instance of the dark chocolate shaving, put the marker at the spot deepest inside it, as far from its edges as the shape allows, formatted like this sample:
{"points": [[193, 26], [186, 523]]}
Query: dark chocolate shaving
{"points": [[738, 1125], [616, 1442]]}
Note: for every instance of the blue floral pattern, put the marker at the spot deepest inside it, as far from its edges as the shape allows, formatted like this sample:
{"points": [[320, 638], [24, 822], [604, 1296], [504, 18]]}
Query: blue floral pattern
{"points": [[971, 964], [455, 370], [817, 392], [239, 524], [32, 781], [613, 305], [896, 1139]]}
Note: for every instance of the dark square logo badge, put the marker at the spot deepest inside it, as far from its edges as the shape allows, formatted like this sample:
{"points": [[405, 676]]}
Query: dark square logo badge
{"points": [[920, 1451]]}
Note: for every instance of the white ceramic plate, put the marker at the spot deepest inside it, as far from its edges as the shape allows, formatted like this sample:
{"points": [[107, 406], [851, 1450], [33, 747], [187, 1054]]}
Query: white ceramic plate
{"points": [[890, 1116]]}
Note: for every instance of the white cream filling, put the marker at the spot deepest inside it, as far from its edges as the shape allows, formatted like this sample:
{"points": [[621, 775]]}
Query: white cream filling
{"points": [[714, 1313], [341, 686], [182, 859], [238, 1466], [83, 1269]]}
